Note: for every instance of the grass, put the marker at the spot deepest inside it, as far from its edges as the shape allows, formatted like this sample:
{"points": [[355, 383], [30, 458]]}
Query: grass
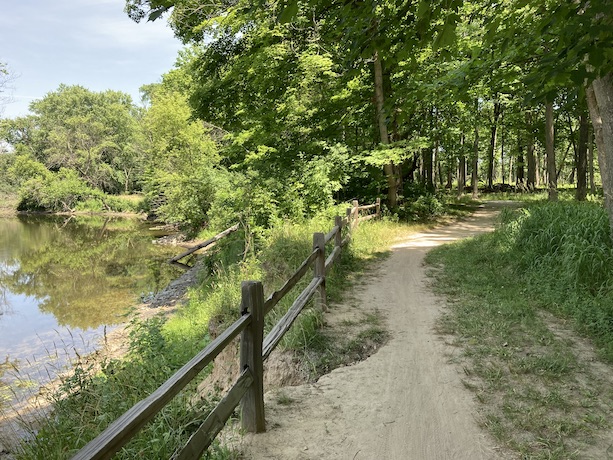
{"points": [[516, 297]]}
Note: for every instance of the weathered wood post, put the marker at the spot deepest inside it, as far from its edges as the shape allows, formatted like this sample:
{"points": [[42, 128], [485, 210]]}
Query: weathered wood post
{"points": [[378, 208], [356, 213], [319, 270], [338, 238], [252, 404]]}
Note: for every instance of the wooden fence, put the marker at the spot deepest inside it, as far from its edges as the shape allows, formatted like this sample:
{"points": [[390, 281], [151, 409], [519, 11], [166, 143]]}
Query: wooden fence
{"points": [[248, 389]]}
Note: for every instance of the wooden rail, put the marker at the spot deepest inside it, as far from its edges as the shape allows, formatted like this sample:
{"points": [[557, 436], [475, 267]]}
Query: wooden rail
{"points": [[248, 389]]}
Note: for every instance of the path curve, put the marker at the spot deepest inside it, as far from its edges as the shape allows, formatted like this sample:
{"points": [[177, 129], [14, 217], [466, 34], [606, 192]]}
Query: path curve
{"points": [[406, 401]]}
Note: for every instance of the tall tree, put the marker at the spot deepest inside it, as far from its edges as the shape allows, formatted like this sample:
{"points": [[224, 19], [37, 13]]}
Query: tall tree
{"points": [[582, 156], [552, 177]]}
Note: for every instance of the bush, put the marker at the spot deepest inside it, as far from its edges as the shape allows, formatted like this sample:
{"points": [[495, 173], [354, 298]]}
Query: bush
{"points": [[184, 199], [426, 207], [56, 192]]}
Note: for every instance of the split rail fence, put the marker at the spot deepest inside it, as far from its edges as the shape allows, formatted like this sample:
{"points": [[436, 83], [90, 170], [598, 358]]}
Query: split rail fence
{"points": [[248, 389]]}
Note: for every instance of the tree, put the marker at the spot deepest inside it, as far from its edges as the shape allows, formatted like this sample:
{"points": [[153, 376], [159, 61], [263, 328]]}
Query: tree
{"points": [[94, 134], [565, 45], [6, 78], [181, 160]]}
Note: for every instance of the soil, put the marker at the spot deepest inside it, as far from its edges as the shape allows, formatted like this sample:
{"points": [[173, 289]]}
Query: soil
{"points": [[407, 400]]}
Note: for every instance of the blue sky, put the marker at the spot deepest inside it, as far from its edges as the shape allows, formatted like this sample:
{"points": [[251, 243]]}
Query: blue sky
{"points": [[91, 43]]}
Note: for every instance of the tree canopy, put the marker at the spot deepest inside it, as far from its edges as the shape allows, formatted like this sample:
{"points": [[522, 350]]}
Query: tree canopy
{"points": [[304, 103]]}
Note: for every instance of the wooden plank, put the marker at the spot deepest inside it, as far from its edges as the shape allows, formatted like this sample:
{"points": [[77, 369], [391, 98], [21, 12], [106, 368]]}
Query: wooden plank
{"points": [[274, 298], [332, 257], [214, 423], [206, 243], [338, 239], [276, 334], [127, 426], [368, 206], [346, 241], [252, 404], [319, 270], [331, 234], [179, 264]]}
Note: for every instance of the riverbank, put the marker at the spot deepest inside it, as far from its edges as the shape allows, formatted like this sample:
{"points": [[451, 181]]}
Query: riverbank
{"points": [[23, 419], [66, 279]]}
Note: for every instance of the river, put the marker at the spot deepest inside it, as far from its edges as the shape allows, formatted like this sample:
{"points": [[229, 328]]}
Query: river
{"points": [[64, 282]]}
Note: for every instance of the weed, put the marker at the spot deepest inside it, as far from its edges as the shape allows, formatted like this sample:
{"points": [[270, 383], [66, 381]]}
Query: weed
{"points": [[283, 399]]}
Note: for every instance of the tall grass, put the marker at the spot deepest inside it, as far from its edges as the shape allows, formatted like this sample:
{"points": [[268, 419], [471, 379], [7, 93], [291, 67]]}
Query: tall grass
{"points": [[564, 253]]}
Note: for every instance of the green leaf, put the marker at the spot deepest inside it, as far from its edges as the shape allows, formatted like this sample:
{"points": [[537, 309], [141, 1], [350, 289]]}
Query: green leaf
{"points": [[446, 37], [289, 12]]}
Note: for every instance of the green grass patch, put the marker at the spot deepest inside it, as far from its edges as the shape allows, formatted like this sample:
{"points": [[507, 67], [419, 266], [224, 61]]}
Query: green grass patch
{"points": [[540, 396]]}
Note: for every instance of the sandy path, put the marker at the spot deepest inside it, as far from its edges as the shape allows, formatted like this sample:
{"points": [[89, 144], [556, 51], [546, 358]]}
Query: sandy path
{"points": [[404, 402]]}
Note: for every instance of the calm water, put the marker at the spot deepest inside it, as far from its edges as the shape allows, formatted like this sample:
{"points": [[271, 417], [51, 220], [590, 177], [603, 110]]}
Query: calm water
{"points": [[63, 281]]}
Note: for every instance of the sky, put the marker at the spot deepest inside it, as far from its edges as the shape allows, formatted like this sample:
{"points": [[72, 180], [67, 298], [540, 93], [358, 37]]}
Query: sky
{"points": [[91, 43]]}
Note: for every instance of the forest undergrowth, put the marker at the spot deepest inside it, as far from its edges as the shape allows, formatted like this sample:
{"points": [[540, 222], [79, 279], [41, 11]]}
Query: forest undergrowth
{"points": [[531, 306]]}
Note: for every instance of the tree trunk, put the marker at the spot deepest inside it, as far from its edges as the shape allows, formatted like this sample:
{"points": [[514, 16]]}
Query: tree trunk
{"points": [[490, 154], [590, 162], [520, 176], [511, 171], [428, 175], [552, 178], [582, 157], [461, 168], [392, 192], [502, 175], [600, 103], [531, 182], [475, 172]]}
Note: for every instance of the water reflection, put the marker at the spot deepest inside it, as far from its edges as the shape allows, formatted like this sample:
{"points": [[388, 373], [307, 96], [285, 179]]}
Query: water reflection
{"points": [[63, 280]]}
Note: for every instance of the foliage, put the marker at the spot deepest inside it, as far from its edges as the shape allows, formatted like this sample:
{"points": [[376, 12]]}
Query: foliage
{"points": [[59, 191], [426, 207], [182, 176]]}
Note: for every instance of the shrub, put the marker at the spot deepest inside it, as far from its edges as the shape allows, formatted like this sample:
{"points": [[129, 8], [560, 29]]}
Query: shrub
{"points": [[54, 192], [426, 207]]}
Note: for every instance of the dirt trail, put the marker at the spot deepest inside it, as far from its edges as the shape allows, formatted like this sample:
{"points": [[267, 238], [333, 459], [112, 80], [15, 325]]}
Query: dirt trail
{"points": [[406, 401]]}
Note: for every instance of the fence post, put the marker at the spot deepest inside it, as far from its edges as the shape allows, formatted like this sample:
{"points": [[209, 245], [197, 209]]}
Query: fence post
{"points": [[356, 213], [338, 238], [319, 271], [378, 208], [252, 404]]}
